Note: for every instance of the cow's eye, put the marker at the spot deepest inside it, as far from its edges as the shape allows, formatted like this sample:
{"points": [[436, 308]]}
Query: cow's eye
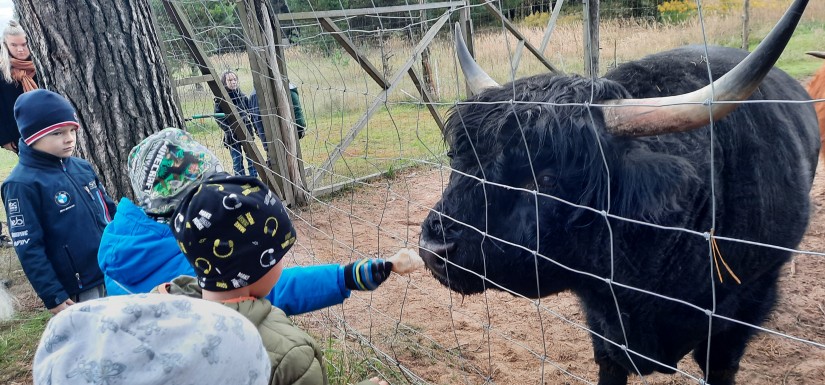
{"points": [[544, 181], [450, 154]]}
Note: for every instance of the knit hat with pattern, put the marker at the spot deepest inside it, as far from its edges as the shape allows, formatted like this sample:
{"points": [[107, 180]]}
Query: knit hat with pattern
{"points": [[165, 166], [233, 230], [150, 339]]}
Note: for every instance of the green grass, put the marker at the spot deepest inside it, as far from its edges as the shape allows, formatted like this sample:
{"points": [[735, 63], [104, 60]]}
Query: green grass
{"points": [[344, 367], [18, 342], [396, 136], [794, 61]]}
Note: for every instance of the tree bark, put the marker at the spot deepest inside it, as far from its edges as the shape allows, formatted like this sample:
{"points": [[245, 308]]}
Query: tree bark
{"points": [[104, 56]]}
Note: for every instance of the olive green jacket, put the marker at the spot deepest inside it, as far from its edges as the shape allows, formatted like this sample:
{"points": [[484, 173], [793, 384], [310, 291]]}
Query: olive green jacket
{"points": [[295, 356]]}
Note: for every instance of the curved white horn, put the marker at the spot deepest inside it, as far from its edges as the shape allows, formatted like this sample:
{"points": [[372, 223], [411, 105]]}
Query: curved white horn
{"points": [[477, 80], [679, 113]]}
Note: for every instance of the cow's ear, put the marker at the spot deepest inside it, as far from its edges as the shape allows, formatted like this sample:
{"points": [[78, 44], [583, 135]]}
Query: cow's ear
{"points": [[649, 185]]}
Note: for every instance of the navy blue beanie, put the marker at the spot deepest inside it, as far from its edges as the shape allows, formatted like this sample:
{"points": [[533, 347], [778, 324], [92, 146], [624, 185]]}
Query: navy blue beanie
{"points": [[40, 112]]}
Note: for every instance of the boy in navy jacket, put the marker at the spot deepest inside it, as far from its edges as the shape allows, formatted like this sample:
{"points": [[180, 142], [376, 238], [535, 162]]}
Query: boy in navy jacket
{"points": [[55, 204]]}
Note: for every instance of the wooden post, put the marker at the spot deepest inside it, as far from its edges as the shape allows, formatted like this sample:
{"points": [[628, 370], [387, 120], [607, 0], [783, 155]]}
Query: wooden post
{"points": [[426, 69], [551, 25], [522, 40], [234, 119], [274, 102], [467, 32], [289, 132], [379, 100], [591, 38], [746, 17]]}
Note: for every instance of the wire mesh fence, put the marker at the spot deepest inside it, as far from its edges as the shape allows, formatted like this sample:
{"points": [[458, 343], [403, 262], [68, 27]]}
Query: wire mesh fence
{"points": [[413, 329]]}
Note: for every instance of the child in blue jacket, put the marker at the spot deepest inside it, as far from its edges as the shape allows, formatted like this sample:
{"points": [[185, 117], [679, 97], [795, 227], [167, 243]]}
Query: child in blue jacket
{"points": [[48, 195], [138, 250]]}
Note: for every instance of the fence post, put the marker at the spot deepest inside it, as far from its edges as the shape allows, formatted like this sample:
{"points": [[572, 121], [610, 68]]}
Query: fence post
{"points": [[746, 17], [591, 37], [275, 106], [210, 76], [467, 30]]}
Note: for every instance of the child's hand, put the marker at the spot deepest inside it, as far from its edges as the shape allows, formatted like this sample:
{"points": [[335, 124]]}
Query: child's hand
{"points": [[61, 307], [366, 274], [378, 381], [406, 261]]}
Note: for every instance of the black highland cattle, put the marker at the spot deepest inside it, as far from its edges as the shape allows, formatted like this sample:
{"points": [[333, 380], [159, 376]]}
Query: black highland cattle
{"points": [[546, 170]]}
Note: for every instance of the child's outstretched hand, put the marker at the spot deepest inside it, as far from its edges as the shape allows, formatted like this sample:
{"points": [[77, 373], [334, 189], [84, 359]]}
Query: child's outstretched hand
{"points": [[406, 261], [369, 273], [366, 274]]}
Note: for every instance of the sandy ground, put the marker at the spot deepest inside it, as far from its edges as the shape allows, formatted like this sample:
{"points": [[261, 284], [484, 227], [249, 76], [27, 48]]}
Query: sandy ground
{"points": [[423, 333]]}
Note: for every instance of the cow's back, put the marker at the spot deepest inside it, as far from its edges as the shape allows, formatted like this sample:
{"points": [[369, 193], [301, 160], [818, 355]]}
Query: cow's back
{"points": [[765, 153]]}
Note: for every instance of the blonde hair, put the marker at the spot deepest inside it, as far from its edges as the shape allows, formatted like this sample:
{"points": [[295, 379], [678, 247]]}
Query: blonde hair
{"points": [[13, 29]]}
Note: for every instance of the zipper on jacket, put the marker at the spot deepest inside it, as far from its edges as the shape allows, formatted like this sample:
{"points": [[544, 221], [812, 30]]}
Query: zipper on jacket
{"points": [[91, 196], [91, 208], [71, 264]]}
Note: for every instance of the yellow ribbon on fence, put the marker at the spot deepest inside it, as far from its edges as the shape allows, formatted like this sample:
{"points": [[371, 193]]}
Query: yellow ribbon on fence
{"points": [[717, 256]]}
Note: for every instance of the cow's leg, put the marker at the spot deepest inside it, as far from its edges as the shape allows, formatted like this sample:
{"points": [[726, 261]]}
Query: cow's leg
{"points": [[728, 346], [610, 371], [727, 350]]}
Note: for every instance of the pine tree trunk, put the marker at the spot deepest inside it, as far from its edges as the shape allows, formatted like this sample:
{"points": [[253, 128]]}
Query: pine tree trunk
{"points": [[104, 56]]}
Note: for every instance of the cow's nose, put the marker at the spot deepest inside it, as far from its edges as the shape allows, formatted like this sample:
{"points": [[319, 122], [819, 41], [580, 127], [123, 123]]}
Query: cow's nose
{"points": [[435, 254]]}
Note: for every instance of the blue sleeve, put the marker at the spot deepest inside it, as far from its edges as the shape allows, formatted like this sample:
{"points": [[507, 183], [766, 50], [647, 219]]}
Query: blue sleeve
{"points": [[302, 289], [22, 211]]}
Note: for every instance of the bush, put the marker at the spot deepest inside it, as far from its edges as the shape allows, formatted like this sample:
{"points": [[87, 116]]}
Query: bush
{"points": [[676, 11], [536, 19]]}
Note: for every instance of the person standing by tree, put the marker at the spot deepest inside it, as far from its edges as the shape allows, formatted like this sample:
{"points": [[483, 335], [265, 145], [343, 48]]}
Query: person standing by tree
{"points": [[48, 197], [18, 76], [241, 102]]}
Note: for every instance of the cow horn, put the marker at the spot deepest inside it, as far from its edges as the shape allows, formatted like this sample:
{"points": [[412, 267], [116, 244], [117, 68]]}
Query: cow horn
{"points": [[477, 80], [819, 54], [679, 113]]}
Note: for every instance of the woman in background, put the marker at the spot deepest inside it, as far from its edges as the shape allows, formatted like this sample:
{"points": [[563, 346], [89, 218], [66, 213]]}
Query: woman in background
{"points": [[18, 76], [231, 82]]}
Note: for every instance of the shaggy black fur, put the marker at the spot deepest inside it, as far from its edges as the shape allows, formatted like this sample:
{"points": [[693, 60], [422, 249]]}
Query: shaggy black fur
{"points": [[545, 140]]}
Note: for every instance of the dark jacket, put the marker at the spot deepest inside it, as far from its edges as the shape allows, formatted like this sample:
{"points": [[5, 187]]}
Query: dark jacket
{"points": [[8, 95], [241, 103], [255, 113], [56, 210]]}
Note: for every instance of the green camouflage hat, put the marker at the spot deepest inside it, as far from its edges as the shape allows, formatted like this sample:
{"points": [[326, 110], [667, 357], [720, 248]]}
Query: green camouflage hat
{"points": [[165, 166]]}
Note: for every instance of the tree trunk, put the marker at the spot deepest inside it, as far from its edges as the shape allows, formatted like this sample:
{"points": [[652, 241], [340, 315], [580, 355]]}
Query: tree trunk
{"points": [[104, 56]]}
